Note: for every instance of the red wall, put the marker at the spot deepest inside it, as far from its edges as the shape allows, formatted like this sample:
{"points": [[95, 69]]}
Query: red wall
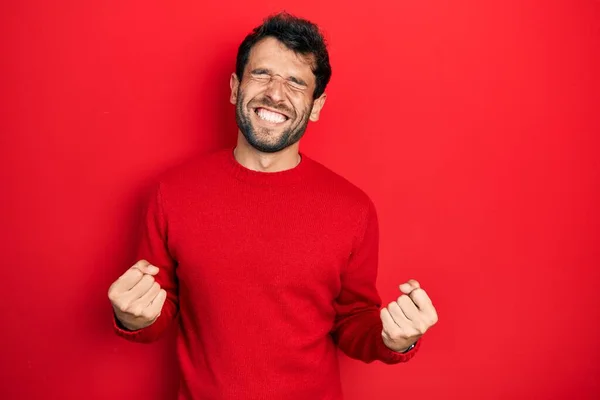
{"points": [[473, 125]]}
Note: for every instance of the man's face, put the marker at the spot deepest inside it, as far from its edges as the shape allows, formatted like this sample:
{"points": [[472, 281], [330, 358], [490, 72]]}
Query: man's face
{"points": [[274, 100]]}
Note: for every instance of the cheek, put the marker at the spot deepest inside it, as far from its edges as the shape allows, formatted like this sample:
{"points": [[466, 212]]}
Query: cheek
{"points": [[301, 107], [251, 91]]}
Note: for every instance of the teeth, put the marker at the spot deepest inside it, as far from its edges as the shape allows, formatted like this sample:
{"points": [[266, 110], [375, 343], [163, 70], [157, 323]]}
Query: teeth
{"points": [[270, 116]]}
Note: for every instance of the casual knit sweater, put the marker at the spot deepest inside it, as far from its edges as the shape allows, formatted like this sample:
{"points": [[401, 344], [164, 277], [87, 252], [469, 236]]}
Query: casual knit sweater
{"points": [[268, 272]]}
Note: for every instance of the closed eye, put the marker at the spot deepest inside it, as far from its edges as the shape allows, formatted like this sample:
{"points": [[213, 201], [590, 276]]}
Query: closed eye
{"points": [[297, 82], [264, 75], [261, 73], [296, 85]]}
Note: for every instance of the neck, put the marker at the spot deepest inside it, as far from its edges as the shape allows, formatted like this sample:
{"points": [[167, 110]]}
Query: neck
{"points": [[256, 160]]}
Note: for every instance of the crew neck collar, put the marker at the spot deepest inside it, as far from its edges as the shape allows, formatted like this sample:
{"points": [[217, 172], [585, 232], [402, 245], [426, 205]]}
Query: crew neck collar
{"points": [[288, 176]]}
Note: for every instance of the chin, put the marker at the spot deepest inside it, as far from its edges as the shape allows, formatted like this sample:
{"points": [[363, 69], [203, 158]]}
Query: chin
{"points": [[267, 140], [266, 147], [265, 137]]}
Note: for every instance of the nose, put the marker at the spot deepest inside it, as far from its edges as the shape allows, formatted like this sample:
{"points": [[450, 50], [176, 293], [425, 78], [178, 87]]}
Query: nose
{"points": [[275, 89]]}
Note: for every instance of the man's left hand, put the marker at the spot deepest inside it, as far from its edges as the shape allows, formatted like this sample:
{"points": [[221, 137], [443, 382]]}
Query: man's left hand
{"points": [[408, 318]]}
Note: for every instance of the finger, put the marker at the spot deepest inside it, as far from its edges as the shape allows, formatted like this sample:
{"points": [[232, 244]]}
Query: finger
{"points": [[409, 286], [142, 286], [398, 315], [133, 275], [390, 327], [421, 299], [408, 307], [157, 304], [149, 296], [140, 289], [145, 267], [128, 280]]}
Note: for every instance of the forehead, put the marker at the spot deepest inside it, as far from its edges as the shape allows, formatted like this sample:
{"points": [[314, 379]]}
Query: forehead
{"points": [[270, 53]]}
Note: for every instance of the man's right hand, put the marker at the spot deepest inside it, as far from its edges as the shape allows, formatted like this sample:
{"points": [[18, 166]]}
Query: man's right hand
{"points": [[136, 297]]}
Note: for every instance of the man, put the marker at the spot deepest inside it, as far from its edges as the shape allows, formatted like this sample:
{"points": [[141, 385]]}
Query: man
{"points": [[268, 258]]}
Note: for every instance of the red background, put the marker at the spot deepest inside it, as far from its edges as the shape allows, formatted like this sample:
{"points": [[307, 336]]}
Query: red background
{"points": [[473, 125]]}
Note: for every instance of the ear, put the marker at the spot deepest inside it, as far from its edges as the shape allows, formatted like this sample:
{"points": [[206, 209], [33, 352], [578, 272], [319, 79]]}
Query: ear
{"points": [[234, 84], [317, 107]]}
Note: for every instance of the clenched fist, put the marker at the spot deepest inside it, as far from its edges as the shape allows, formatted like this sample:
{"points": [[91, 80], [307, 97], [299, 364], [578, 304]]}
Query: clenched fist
{"points": [[408, 318], [136, 297]]}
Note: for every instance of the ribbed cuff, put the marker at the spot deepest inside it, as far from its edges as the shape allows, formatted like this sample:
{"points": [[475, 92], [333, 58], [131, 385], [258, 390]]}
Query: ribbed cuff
{"points": [[390, 356], [138, 336]]}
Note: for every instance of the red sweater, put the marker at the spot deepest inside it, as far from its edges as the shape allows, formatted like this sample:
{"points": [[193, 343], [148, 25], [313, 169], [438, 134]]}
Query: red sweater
{"points": [[268, 272]]}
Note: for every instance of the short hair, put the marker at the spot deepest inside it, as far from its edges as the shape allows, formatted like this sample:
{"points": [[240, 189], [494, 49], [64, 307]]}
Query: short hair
{"points": [[297, 34]]}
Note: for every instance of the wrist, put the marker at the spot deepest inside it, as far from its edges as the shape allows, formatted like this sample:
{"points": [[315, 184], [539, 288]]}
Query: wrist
{"points": [[123, 325], [406, 350]]}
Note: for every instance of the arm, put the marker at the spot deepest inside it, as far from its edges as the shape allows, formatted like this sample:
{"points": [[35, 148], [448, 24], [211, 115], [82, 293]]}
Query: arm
{"points": [[153, 247], [358, 326]]}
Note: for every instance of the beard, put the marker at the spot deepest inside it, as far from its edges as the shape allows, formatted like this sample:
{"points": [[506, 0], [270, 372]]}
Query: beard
{"points": [[265, 139]]}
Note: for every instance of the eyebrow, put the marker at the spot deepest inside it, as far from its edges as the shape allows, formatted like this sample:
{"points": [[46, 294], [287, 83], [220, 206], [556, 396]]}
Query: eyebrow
{"points": [[268, 71]]}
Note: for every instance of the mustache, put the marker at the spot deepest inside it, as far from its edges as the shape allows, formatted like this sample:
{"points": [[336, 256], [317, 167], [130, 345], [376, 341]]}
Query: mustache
{"points": [[266, 102]]}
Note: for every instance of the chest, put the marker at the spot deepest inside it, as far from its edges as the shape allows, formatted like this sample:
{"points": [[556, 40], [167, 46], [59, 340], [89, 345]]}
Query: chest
{"points": [[261, 244]]}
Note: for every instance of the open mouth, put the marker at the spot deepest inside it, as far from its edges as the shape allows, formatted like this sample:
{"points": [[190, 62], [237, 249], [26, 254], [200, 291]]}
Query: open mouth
{"points": [[270, 116]]}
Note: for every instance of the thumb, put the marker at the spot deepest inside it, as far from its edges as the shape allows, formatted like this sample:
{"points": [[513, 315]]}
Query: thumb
{"points": [[409, 286], [146, 268], [151, 269]]}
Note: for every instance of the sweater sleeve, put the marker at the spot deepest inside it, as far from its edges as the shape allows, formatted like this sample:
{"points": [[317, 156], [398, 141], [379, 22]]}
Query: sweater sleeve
{"points": [[153, 247], [357, 329]]}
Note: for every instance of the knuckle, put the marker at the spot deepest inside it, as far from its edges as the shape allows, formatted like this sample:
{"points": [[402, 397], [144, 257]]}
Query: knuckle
{"points": [[137, 311], [434, 319], [123, 306], [147, 314], [128, 308], [399, 334], [112, 294], [392, 332], [412, 332]]}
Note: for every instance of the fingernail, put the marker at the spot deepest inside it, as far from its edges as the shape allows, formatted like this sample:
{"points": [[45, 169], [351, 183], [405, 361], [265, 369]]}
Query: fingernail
{"points": [[152, 269]]}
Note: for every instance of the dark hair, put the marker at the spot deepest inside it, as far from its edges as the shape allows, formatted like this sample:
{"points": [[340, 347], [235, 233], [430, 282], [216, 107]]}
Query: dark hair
{"points": [[298, 35]]}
